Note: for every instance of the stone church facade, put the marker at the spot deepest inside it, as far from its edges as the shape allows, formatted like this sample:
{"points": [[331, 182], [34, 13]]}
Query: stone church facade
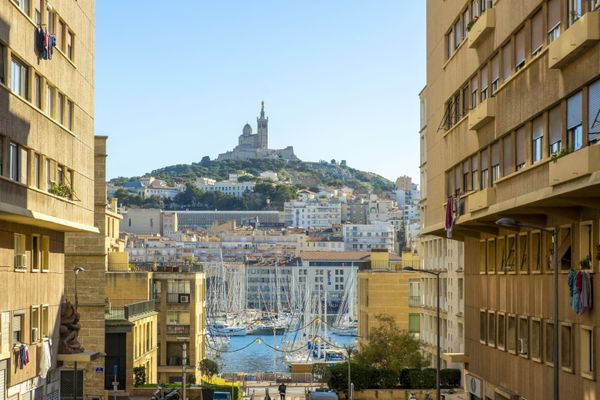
{"points": [[256, 145]]}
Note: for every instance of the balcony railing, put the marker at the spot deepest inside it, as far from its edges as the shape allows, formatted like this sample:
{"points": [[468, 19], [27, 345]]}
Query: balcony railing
{"points": [[414, 301], [584, 33], [130, 310], [178, 330], [482, 27]]}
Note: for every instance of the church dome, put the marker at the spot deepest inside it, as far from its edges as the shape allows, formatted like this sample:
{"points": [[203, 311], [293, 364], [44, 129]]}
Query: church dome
{"points": [[247, 130]]}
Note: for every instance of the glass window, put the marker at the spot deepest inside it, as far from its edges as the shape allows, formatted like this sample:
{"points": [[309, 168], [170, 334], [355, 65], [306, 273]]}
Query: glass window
{"points": [[484, 83], [537, 32], [574, 11], [537, 139], [587, 351], [35, 324], [508, 156], [37, 91], [69, 117], [475, 172], [520, 49], [70, 46], [555, 127], [566, 347], [61, 108], [575, 122], [475, 94], [523, 339], [13, 161], [496, 173], [549, 343], [491, 255], [2, 72], [536, 252], [536, 339], [50, 101], [501, 254], [23, 5], [586, 242], [37, 171], [523, 253], [491, 329], [482, 257], [457, 34], [511, 333], [507, 60], [501, 331], [48, 173], [19, 78], [594, 112], [495, 72], [482, 326], [17, 329], [553, 20], [511, 253]]}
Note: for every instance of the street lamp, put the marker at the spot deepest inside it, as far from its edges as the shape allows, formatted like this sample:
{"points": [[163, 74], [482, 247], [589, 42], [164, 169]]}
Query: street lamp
{"points": [[349, 350], [439, 359], [511, 223], [76, 270]]}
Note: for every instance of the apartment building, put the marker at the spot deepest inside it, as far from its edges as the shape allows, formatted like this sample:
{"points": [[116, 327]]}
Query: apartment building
{"points": [[46, 181], [312, 214], [268, 285], [512, 105], [364, 237], [383, 289]]}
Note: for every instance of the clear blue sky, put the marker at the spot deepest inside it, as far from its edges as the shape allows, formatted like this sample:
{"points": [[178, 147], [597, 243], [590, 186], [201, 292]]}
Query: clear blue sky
{"points": [[340, 79]]}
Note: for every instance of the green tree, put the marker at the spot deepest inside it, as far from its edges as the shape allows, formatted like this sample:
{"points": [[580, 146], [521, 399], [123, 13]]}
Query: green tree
{"points": [[208, 367], [390, 349], [205, 162], [139, 376]]}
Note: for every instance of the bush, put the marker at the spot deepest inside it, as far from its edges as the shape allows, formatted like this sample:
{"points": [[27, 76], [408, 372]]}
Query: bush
{"points": [[139, 376], [237, 394], [362, 376], [209, 367], [426, 378], [450, 377]]}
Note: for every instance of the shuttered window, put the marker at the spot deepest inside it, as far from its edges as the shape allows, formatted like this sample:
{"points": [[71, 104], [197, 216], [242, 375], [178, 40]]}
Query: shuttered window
{"points": [[450, 183], [537, 32], [553, 19], [594, 112], [575, 122], [484, 169], [474, 172], [495, 161], [555, 127], [520, 49], [484, 83], [457, 179], [495, 72], [466, 182], [537, 138], [507, 60], [474, 92], [508, 155], [521, 147]]}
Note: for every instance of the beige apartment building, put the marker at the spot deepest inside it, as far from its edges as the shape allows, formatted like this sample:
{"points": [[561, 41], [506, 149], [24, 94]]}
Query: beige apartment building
{"points": [[512, 127], [46, 180]]}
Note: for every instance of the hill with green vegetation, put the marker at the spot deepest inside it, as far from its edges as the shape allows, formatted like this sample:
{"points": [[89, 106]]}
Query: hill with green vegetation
{"points": [[293, 175]]}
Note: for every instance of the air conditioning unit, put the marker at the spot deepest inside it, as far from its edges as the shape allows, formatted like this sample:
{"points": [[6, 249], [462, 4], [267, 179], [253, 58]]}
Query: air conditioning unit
{"points": [[522, 346], [184, 298], [21, 261], [35, 336]]}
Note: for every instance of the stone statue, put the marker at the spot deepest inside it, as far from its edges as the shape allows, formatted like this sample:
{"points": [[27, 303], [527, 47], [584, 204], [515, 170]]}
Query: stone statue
{"points": [[69, 330]]}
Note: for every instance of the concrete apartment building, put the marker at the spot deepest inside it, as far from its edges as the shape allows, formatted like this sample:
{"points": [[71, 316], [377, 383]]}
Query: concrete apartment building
{"points": [[383, 289], [46, 180], [364, 237], [513, 98], [312, 214]]}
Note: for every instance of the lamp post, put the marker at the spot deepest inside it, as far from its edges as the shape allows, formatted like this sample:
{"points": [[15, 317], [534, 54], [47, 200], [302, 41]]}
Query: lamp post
{"points": [[438, 351], [76, 270], [349, 350], [511, 223]]}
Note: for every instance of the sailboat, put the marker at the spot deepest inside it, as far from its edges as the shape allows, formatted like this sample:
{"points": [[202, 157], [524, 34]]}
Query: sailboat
{"points": [[346, 323]]}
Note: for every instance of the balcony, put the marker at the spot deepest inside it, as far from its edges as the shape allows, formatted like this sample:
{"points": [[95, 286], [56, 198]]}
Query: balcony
{"points": [[482, 114], [414, 301], [484, 25], [580, 36], [575, 165], [482, 199], [178, 330]]}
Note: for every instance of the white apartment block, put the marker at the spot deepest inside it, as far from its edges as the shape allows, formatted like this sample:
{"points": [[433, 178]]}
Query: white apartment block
{"points": [[164, 192], [230, 187], [364, 237], [446, 256], [312, 214]]}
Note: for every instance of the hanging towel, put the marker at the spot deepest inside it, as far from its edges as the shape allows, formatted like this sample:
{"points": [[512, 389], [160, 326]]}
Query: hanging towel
{"points": [[585, 297], [23, 356], [449, 218], [571, 279], [46, 359]]}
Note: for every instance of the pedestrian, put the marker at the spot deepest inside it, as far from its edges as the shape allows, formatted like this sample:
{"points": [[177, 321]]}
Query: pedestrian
{"points": [[267, 397], [282, 389]]}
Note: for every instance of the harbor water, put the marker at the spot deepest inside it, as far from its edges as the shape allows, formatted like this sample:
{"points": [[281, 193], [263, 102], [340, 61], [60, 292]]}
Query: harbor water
{"points": [[254, 353]]}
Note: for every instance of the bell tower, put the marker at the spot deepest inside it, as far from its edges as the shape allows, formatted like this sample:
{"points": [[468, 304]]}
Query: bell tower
{"points": [[262, 124]]}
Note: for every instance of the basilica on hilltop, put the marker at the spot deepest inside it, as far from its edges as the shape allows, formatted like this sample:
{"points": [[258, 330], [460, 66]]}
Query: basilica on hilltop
{"points": [[256, 145]]}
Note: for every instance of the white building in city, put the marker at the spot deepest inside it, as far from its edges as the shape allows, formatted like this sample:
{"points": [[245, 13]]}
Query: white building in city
{"points": [[312, 214], [364, 237], [230, 186]]}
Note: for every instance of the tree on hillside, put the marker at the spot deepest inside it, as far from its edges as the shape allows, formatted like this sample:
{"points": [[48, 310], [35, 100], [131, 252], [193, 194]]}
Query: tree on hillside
{"points": [[389, 348], [205, 162]]}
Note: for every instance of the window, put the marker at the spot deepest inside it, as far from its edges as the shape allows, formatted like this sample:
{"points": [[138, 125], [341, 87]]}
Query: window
{"points": [[482, 326], [60, 176], [465, 21], [19, 78], [465, 100], [566, 347], [549, 343], [13, 161], [19, 251], [536, 339], [50, 101], [18, 322], [523, 339], [523, 253], [449, 44], [5, 340], [501, 254], [474, 95], [70, 46], [511, 253], [521, 147], [536, 252], [71, 388], [482, 257], [484, 83], [2, 72], [587, 351], [575, 122], [508, 163], [574, 11], [495, 73], [549, 250], [537, 32], [23, 5], [475, 172], [69, 117], [501, 331], [585, 242], [537, 139], [60, 35], [457, 34], [414, 325], [35, 324], [50, 20], [511, 333], [61, 108], [495, 162], [491, 329], [465, 181], [37, 170], [594, 112], [48, 173], [520, 49], [36, 252], [507, 60], [45, 241], [474, 8], [37, 91], [555, 128], [178, 318], [485, 179], [553, 20], [491, 255]]}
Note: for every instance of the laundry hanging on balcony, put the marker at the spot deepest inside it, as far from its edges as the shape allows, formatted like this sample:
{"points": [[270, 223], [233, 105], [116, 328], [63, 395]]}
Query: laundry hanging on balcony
{"points": [[580, 291], [449, 217], [22, 356], [44, 43]]}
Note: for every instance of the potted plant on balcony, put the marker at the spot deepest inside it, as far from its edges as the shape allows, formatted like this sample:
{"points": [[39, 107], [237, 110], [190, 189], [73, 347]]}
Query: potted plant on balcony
{"points": [[61, 190], [563, 152], [585, 263], [471, 23]]}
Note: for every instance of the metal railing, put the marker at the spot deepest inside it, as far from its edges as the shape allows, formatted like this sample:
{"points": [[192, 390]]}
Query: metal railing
{"points": [[130, 310], [178, 330]]}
